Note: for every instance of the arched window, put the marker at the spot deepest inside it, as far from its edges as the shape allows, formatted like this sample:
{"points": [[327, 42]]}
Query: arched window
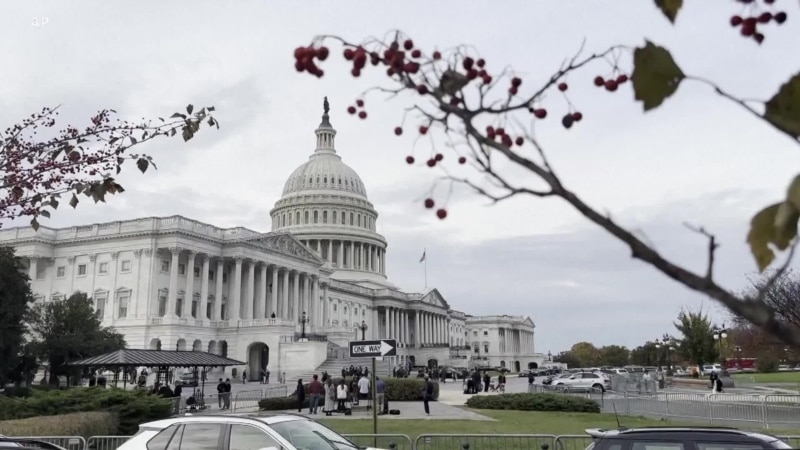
{"points": [[163, 294], [297, 218], [123, 302], [324, 216], [334, 218], [306, 218], [100, 302], [316, 216]]}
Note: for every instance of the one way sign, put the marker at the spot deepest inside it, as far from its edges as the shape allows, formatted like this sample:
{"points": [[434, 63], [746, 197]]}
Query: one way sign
{"points": [[373, 349]]}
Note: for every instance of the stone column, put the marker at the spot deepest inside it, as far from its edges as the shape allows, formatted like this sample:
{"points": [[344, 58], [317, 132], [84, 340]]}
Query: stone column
{"points": [[340, 255], [386, 328], [235, 303], [261, 308], [285, 295], [218, 291], [315, 303], [417, 340], [296, 297], [203, 306], [273, 293], [172, 297], [188, 297], [352, 263], [326, 313], [34, 267], [330, 251], [251, 284], [306, 300]]}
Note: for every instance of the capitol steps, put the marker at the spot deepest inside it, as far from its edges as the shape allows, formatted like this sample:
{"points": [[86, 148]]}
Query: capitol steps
{"points": [[334, 367]]}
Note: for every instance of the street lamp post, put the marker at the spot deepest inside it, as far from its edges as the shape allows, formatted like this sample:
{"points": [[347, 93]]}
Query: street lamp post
{"points": [[737, 350], [658, 354], [549, 356], [719, 335], [303, 322], [669, 346], [363, 327]]}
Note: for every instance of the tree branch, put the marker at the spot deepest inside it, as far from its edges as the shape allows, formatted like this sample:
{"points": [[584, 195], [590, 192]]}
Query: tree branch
{"points": [[712, 248]]}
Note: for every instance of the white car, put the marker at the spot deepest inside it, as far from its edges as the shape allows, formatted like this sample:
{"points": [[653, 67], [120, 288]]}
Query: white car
{"points": [[708, 369], [585, 380], [217, 432]]}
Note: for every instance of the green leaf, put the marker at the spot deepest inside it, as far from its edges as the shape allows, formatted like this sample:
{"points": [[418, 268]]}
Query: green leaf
{"points": [[176, 115], [73, 201], [34, 224], [142, 164], [793, 193], [211, 109], [655, 75], [53, 202], [783, 109], [44, 213], [670, 8], [774, 225], [189, 108]]}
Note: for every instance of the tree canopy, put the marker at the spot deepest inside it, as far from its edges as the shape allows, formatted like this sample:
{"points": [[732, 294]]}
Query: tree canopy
{"points": [[697, 344], [15, 299]]}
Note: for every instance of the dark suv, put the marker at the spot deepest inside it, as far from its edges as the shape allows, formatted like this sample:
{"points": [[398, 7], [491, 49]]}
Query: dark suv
{"points": [[680, 438]]}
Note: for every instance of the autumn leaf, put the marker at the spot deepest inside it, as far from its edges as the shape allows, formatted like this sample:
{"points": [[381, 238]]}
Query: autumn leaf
{"points": [[783, 109], [655, 75], [670, 8], [774, 225]]}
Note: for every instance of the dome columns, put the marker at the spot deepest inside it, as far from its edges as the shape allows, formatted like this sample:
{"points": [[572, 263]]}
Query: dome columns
{"points": [[350, 254]]}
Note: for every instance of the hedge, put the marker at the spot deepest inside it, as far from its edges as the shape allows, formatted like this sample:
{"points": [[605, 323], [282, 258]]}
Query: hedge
{"points": [[397, 389], [84, 424], [130, 407], [534, 402]]}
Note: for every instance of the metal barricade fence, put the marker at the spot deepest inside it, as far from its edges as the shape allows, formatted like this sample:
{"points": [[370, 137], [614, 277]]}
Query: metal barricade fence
{"points": [[105, 442], [793, 441], [483, 441], [68, 442], [571, 442], [385, 441], [250, 399]]}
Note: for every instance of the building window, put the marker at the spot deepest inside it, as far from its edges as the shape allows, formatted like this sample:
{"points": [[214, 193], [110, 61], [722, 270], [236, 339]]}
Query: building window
{"points": [[475, 349], [334, 218], [125, 266], [210, 275], [297, 217], [344, 218], [352, 219], [209, 306], [334, 307], [41, 272], [179, 306], [316, 216], [223, 310], [123, 299], [224, 277], [102, 268], [305, 219], [81, 270], [324, 216], [195, 305], [474, 333], [181, 269], [162, 303], [363, 312], [485, 348], [196, 272], [485, 333], [100, 298], [290, 219], [61, 271], [164, 266]]}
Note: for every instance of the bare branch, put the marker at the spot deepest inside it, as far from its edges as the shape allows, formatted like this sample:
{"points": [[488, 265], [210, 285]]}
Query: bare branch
{"points": [[712, 248]]}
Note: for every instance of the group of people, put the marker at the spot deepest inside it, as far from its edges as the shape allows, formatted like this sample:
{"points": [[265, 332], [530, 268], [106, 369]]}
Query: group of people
{"points": [[474, 383]]}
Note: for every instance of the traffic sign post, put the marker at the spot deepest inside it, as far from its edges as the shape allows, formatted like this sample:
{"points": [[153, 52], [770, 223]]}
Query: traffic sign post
{"points": [[374, 349]]}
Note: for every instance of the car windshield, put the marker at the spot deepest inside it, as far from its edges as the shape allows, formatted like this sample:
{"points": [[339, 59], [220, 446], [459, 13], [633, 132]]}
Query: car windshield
{"points": [[310, 435]]}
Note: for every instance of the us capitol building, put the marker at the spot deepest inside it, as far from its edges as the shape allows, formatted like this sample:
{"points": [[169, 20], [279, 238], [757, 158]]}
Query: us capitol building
{"points": [[176, 283]]}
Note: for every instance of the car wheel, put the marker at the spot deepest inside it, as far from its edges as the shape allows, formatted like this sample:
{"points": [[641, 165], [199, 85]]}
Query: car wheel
{"points": [[600, 387]]}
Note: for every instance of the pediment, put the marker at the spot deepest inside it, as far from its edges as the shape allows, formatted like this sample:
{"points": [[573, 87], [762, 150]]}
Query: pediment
{"points": [[433, 297], [285, 244], [529, 322]]}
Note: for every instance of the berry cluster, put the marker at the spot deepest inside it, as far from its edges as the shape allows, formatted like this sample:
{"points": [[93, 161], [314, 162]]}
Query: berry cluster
{"points": [[500, 133], [612, 83], [440, 213], [304, 59], [352, 109], [749, 23]]}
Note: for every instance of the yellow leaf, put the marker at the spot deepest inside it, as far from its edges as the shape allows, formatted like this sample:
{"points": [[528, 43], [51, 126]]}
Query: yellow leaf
{"points": [[655, 75], [774, 225], [783, 109], [793, 193], [670, 8]]}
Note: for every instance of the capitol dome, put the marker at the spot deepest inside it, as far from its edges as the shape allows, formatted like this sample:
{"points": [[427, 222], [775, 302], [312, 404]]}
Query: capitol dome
{"points": [[324, 205]]}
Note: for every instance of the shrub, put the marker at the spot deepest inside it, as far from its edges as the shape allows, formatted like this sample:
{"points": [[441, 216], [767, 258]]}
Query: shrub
{"points": [[767, 366], [280, 403], [84, 424], [408, 389], [25, 391], [131, 407], [534, 402]]}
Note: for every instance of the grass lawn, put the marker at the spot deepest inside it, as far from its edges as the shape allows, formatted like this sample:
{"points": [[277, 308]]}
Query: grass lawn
{"points": [[508, 422], [777, 377]]}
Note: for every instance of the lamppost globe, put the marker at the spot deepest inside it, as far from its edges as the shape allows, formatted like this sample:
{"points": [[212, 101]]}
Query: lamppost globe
{"points": [[303, 321], [363, 327]]}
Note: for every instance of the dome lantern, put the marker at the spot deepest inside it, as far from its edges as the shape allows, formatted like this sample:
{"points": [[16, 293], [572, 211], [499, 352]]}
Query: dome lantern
{"points": [[325, 132]]}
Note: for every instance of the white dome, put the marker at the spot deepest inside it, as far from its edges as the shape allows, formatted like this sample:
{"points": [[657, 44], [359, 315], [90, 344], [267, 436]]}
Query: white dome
{"points": [[324, 172]]}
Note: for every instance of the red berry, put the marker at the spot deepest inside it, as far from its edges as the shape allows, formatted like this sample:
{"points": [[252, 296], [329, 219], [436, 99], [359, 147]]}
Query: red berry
{"points": [[748, 30], [599, 81], [611, 85], [410, 159], [408, 44], [423, 129], [322, 53], [481, 62], [468, 63], [472, 74], [462, 159], [398, 131], [516, 82], [507, 140], [780, 17], [429, 203], [765, 17], [360, 103], [577, 116], [422, 89], [299, 66], [758, 37], [349, 54], [437, 55], [431, 162], [540, 113], [356, 72], [487, 79], [513, 90], [562, 87], [441, 213], [416, 53], [490, 132], [500, 131], [750, 22], [438, 157], [362, 114], [300, 52], [351, 109], [519, 141], [622, 78], [736, 21]]}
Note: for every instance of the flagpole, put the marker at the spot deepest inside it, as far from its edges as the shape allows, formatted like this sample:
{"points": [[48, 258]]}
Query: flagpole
{"points": [[426, 271]]}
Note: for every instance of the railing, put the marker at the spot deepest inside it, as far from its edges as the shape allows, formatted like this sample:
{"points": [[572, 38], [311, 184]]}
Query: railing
{"points": [[402, 441], [250, 399], [767, 411]]}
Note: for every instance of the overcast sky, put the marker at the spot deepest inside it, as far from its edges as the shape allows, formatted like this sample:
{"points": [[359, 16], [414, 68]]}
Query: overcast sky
{"points": [[697, 159]]}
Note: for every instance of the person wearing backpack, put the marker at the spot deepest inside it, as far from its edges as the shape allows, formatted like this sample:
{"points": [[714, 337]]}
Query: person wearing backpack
{"points": [[427, 394]]}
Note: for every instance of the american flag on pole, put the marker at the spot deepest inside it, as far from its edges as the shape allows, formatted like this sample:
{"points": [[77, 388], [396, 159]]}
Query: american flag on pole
{"points": [[423, 256]]}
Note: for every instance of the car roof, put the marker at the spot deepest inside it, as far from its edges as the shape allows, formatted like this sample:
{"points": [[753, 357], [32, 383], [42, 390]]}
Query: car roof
{"points": [[709, 431], [268, 419]]}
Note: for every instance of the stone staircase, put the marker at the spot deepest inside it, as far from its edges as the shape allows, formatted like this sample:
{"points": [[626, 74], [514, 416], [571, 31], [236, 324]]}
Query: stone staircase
{"points": [[334, 367]]}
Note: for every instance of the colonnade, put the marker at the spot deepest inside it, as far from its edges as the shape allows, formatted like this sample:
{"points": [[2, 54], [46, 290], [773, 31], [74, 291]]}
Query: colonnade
{"points": [[516, 341], [429, 328], [350, 254]]}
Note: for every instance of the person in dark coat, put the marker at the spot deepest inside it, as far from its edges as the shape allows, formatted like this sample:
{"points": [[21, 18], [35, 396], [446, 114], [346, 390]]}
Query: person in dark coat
{"points": [[301, 395]]}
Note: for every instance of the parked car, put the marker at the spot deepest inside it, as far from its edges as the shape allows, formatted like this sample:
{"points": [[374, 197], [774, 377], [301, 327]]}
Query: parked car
{"points": [[679, 438], [708, 369], [524, 374], [263, 432], [188, 379], [584, 380], [552, 378], [26, 444]]}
